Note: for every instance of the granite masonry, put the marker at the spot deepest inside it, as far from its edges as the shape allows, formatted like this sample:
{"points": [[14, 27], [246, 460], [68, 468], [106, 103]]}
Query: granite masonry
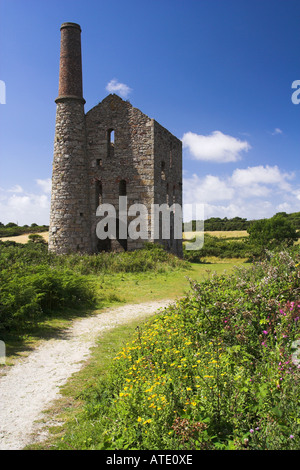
{"points": [[112, 150]]}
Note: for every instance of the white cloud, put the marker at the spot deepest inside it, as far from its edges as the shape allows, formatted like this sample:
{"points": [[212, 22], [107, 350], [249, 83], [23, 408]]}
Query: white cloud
{"points": [[276, 131], [114, 86], [297, 193], [16, 189], [253, 193], [207, 189], [19, 206], [253, 176], [45, 185], [216, 147]]}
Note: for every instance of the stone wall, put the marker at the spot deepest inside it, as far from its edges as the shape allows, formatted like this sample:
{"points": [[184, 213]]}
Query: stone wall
{"points": [[131, 159], [168, 178], [69, 229]]}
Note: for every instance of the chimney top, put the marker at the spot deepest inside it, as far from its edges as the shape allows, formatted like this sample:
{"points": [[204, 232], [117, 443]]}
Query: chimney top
{"points": [[70, 25]]}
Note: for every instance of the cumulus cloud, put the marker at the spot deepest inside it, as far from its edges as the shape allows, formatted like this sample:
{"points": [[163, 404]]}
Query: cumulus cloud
{"points": [[45, 185], [19, 206], [253, 176], [114, 86], [216, 147], [207, 189], [254, 192]]}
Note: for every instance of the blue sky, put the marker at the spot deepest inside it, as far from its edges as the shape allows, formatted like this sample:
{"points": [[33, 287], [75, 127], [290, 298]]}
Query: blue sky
{"points": [[217, 73]]}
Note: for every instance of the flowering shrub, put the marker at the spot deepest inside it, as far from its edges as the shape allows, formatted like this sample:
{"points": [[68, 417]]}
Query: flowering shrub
{"points": [[214, 371]]}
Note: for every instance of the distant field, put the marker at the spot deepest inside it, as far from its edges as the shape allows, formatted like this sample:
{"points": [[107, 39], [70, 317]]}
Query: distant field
{"points": [[186, 235], [24, 238], [219, 234]]}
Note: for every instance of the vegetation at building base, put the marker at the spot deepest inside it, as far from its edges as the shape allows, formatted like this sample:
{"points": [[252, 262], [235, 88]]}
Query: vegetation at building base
{"points": [[35, 283], [215, 371]]}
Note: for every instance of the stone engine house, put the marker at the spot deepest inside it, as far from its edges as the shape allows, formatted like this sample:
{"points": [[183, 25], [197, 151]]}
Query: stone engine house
{"points": [[112, 150]]}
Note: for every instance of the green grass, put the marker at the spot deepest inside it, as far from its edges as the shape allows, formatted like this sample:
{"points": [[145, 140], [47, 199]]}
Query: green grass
{"points": [[144, 287]]}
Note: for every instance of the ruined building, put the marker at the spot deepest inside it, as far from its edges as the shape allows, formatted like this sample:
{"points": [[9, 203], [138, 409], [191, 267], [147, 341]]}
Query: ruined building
{"points": [[112, 150]]}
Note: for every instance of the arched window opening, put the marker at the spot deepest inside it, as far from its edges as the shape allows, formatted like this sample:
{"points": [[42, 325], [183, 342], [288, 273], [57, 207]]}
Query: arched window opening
{"points": [[122, 188], [111, 136], [99, 195], [110, 142]]}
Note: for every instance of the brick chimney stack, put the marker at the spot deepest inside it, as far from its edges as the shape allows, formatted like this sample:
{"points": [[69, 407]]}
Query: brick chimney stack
{"points": [[70, 68]]}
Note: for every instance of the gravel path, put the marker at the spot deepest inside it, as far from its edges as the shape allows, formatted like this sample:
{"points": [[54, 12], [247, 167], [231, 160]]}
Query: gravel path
{"points": [[33, 383]]}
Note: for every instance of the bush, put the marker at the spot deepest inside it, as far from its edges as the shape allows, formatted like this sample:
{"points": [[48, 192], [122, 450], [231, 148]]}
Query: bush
{"points": [[272, 233], [28, 295]]}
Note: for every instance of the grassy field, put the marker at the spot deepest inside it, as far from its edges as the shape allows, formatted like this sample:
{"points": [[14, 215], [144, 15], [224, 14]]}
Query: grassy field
{"points": [[137, 287], [186, 235], [219, 234]]}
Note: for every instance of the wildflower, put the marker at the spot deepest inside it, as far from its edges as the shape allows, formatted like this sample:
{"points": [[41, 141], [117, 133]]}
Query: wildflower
{"points": [[265, 332], [251, 431], [291, 436]]}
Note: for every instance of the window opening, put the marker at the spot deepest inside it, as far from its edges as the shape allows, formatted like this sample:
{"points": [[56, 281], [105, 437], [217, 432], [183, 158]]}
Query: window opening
{"points": [[122, 188], [110, 142], [99, 200], [162, 168]]}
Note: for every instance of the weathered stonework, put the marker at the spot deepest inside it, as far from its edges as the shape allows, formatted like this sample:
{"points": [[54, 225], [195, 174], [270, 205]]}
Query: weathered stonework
{"points": [[114, 149]]}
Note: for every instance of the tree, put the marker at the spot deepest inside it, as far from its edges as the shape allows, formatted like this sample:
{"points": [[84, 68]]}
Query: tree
{"points": [[11, 224], [271, 233], [36, 238]]}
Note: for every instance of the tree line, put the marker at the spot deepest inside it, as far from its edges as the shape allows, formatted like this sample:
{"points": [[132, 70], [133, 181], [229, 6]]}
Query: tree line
{"points": [[239, 223]]}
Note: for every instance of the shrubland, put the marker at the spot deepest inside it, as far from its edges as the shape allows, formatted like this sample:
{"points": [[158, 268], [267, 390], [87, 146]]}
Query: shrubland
{"points": [[215, 371], [35, 283]]}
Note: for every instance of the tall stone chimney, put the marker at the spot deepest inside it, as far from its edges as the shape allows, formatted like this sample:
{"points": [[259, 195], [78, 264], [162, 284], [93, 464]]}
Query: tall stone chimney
{"points": [[69, 215]]}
